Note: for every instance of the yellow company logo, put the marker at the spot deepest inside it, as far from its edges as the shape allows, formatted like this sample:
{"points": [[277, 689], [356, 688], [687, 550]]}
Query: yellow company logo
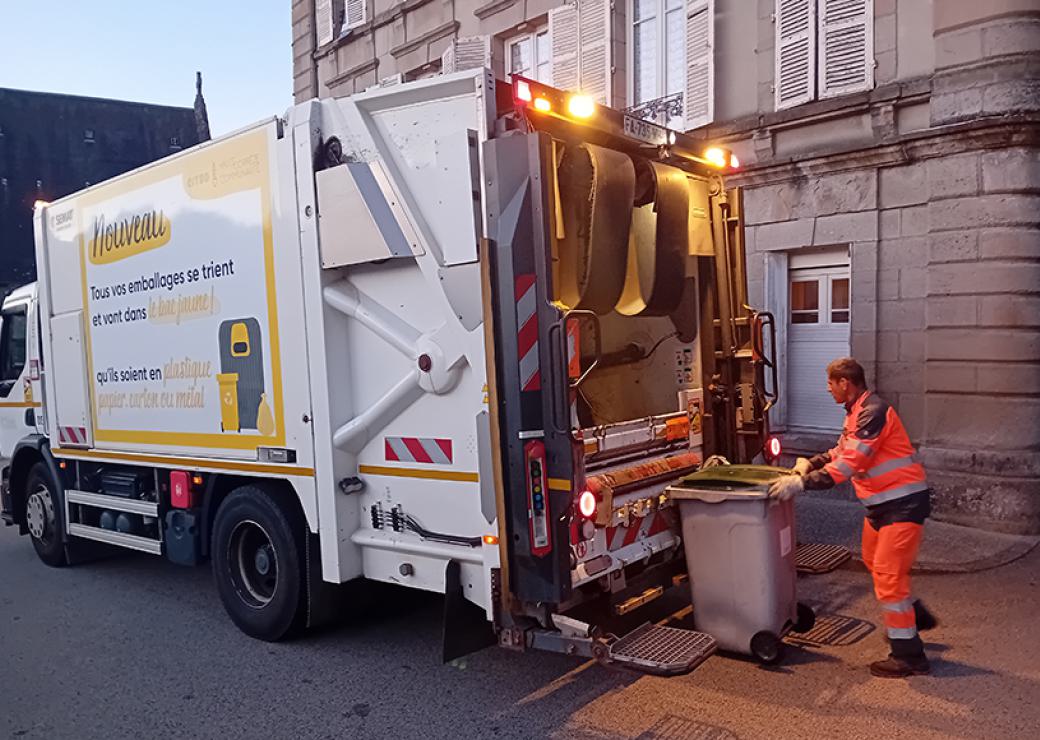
{"points": [[128, 236]]}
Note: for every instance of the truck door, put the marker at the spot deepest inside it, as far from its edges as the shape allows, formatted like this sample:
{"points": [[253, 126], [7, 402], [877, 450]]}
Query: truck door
{"points": [[538, 451], [17, 401]]}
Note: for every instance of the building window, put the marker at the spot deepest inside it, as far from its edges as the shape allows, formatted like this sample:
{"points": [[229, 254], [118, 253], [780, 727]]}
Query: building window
{"points": [[658, 49], [819, 298], [824, 48], [839, 300], [530, 56]]}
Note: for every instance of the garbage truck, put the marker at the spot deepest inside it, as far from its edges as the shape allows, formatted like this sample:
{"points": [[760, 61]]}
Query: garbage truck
{"points": [[458, 335]]}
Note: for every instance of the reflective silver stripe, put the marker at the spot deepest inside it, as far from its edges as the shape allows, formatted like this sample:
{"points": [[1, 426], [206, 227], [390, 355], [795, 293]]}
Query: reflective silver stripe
{"points": [[893, 493], [861, 448], [902, 633], [899, 606], [843, 467], [888, 467]]}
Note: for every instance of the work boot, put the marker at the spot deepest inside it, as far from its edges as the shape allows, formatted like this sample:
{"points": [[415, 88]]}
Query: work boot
{"points": [[896, 667], [925, 619]]}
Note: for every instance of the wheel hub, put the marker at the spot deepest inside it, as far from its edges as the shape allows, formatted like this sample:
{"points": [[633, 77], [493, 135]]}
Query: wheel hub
{"points": [[263, 560], [254, 564], [39, 514]]}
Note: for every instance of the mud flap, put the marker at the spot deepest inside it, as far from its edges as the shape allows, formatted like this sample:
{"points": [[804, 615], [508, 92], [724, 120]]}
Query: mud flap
{"points": [[322, 598], [466, 627]]}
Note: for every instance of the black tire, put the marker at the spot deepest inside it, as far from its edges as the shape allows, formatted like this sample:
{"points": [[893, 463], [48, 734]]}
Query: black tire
{"points": [[43, 517], [806, 618], [767, 648], [257, 551]]}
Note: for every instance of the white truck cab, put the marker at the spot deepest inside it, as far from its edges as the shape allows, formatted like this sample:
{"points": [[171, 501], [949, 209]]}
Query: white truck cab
{"points": [[20, 389]]}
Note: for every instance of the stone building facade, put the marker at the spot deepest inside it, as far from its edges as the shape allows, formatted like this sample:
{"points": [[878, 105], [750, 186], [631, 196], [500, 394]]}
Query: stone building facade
{"points": [[52, 145], [891, 168]]}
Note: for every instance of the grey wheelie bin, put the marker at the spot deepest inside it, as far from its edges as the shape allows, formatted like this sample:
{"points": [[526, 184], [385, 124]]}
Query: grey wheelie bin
{"points": [[740, 556]]}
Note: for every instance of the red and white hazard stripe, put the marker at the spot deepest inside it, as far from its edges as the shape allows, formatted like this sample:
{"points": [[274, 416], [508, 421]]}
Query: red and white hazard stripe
{"points": [[72, 435], [527, 332], [429, 450], [648, 526]]}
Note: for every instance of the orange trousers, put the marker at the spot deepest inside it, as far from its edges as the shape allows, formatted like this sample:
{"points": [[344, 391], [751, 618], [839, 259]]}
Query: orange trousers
{"points": [[889, 553]]}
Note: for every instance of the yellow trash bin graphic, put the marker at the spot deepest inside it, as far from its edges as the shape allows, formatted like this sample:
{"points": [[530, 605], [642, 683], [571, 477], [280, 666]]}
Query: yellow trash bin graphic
{"points": [[228, 383]]}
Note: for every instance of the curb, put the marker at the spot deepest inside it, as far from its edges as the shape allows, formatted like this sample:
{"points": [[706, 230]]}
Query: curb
{"points": [[1005, 557]]}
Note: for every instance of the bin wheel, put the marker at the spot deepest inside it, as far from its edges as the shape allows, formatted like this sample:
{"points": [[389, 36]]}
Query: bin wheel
{"points": [[767, 648], [806, 618]]}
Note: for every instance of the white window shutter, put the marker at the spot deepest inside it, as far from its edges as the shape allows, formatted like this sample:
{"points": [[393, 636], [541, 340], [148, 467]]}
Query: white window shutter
{"points": [[356, 14], [472, 52], [323, 21], [699, 93], [448, 59], [594, 71], [795, 78], [563, 46], [468, 52], [846, 49]]}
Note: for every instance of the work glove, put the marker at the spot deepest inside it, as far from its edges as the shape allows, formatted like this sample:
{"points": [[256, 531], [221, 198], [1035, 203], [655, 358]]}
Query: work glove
{"points": [[802, 466], [786, 487]]}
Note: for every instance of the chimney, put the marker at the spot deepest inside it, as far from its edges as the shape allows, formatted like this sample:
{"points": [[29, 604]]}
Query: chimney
{"points": [[201, 117]]}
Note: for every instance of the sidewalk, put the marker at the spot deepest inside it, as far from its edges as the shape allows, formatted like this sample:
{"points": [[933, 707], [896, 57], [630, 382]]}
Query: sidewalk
{"points": [[946, 548]]}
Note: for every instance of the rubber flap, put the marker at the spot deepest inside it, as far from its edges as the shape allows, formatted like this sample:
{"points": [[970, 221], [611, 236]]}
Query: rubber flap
{"points": [[658, 246], [597, 187]]}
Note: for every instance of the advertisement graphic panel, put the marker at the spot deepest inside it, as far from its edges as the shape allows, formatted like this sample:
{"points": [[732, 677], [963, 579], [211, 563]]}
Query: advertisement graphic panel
{"points": [[180, 305]]}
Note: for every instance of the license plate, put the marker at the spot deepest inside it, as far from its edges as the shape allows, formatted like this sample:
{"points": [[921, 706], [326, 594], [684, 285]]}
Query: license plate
{"points": [[645, 131]]}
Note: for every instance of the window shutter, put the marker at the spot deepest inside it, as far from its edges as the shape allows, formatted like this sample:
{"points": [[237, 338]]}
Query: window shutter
{"points": [[594, 50], [472, 52], [699, 95], [323, 21], [795, 79], [448, 58], [466, 53], [563, 45], [846, 46], [356, 14]]}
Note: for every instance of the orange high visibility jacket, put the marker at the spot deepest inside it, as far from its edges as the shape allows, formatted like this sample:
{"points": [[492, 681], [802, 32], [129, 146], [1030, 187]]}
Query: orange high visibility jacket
{"points": [[875, 452]]}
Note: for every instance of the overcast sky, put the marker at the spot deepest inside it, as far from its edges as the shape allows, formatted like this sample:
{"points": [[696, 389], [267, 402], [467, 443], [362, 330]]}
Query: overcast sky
{"points": [[149, 52]]}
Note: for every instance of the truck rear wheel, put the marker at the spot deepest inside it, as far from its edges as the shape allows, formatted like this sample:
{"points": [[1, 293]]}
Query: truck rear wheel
{"points": [[41, 518], [257, 553]]}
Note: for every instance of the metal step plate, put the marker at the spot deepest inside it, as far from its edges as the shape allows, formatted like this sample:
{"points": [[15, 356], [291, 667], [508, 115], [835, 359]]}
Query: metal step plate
{"points": [[832, 630], [662, 650], [816, 558]]}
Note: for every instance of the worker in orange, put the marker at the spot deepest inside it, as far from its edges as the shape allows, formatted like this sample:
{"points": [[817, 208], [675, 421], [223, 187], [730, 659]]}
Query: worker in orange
{"points": [[875, 453]]}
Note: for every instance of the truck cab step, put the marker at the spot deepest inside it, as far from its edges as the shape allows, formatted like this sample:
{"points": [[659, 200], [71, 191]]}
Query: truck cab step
{"points": [[669, 651]]}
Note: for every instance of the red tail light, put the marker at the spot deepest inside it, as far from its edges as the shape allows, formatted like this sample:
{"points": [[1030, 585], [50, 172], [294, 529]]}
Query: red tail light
{"points": [[523, 91], [773, 449], [587, 504]]}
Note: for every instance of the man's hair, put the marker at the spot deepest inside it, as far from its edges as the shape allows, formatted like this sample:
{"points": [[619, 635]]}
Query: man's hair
{"points": [[848, 368]]}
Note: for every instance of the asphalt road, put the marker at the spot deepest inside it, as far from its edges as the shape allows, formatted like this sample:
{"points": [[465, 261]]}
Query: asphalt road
{"points": [[135, 647]]}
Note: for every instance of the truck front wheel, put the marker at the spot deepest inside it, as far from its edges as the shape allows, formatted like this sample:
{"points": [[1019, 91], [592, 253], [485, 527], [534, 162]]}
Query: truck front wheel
{"points": [[41, 518], [257, 563]]}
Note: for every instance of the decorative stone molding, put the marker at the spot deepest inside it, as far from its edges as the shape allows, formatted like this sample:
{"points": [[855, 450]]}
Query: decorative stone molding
{"points": [[489, 9], [440, 32]]}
